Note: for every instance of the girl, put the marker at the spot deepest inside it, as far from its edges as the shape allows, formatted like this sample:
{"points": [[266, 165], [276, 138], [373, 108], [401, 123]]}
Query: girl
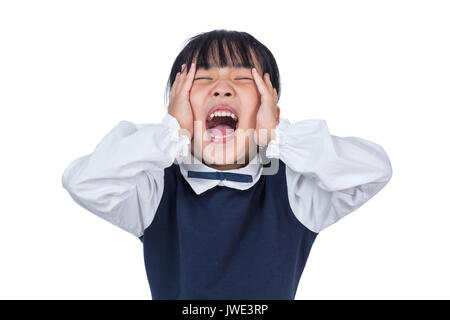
{"points": [[216, 219]]}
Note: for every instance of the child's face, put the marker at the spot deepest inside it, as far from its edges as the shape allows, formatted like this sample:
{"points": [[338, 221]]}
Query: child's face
{"points": [[223, 139]]}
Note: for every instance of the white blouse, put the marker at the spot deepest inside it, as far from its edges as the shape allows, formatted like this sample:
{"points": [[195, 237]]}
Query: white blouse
{"points": [[122, 180]]}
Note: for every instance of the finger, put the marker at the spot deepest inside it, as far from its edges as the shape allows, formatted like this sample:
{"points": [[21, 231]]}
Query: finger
{"points": [[180, 79], [183, 72], [189, 78], [175, 84], [268, 82], [270, 87], [260, 84]]}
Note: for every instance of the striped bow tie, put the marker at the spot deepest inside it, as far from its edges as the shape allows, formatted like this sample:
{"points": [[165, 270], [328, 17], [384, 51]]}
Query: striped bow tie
{"points": [[217, 175]]}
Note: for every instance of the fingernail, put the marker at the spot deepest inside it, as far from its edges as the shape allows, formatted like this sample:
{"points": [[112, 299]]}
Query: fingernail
{"points": [[182, 66]]}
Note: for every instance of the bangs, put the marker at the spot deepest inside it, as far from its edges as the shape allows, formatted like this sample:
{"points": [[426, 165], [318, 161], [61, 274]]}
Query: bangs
{"points": [[225, 53], [225, 48]]}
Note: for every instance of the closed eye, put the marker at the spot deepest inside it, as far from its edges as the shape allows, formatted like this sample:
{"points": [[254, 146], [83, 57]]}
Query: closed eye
{"points": [[211, 79]]}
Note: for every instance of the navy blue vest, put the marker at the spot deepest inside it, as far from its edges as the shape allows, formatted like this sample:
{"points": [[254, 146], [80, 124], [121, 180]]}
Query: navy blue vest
{"points": [[225, 243]]}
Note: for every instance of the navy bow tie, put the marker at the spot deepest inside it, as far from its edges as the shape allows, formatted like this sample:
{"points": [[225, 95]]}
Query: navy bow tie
{"points": [[217, 175]]}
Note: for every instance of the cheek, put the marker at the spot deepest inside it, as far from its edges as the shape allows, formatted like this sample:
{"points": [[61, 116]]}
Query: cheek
{"points": [[251, 100], [196, 98]]}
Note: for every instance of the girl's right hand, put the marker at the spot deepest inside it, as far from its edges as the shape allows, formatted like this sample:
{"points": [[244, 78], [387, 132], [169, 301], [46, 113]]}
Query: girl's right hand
{"points": [[179, 103]]}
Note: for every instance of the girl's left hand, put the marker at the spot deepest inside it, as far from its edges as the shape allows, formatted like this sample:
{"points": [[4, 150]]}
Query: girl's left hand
{"points": [[267, 117]]}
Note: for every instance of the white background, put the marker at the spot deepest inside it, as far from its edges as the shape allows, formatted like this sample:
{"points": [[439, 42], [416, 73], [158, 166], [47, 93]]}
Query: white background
{"points": [[71, 70]]}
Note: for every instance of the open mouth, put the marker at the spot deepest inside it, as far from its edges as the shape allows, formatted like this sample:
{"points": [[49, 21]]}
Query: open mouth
{"points": [[221, 125]]}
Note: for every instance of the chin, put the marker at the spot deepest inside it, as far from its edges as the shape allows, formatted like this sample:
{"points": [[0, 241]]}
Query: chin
{"points": [[219, 153], [217, 156]]}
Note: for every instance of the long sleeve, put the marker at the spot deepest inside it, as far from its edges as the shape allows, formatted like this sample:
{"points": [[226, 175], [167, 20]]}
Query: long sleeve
{"points": [[122, 180], [327, 176]]}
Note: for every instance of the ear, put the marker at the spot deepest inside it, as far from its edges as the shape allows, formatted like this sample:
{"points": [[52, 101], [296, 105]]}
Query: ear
{"points": [[278, 114]]}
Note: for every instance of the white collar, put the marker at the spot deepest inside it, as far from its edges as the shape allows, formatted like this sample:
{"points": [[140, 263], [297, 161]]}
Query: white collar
{"points": [[199, 185]]}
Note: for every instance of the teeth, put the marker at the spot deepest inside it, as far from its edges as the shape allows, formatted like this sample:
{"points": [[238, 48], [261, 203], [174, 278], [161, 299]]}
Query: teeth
{"points": [[222, 114]]}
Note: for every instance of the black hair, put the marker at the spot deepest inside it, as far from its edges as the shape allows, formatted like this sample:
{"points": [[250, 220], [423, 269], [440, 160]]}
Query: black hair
{"points": [[222, 48]]}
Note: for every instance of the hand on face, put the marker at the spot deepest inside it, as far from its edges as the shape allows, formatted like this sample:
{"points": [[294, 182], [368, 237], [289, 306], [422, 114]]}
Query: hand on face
{"points": [[179, 105], [267, 116]]}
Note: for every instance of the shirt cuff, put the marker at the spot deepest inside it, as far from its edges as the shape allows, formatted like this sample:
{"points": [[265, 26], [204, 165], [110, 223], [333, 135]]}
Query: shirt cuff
{"points": [[273, 148], [182, 142]]}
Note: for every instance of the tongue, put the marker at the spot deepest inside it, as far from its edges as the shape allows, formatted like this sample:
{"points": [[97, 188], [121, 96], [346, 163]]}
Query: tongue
{"points": [[221, 130]]}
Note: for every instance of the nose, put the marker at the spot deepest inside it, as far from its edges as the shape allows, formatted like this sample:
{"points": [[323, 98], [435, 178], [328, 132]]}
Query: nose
{"points": [[223, 89]]}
